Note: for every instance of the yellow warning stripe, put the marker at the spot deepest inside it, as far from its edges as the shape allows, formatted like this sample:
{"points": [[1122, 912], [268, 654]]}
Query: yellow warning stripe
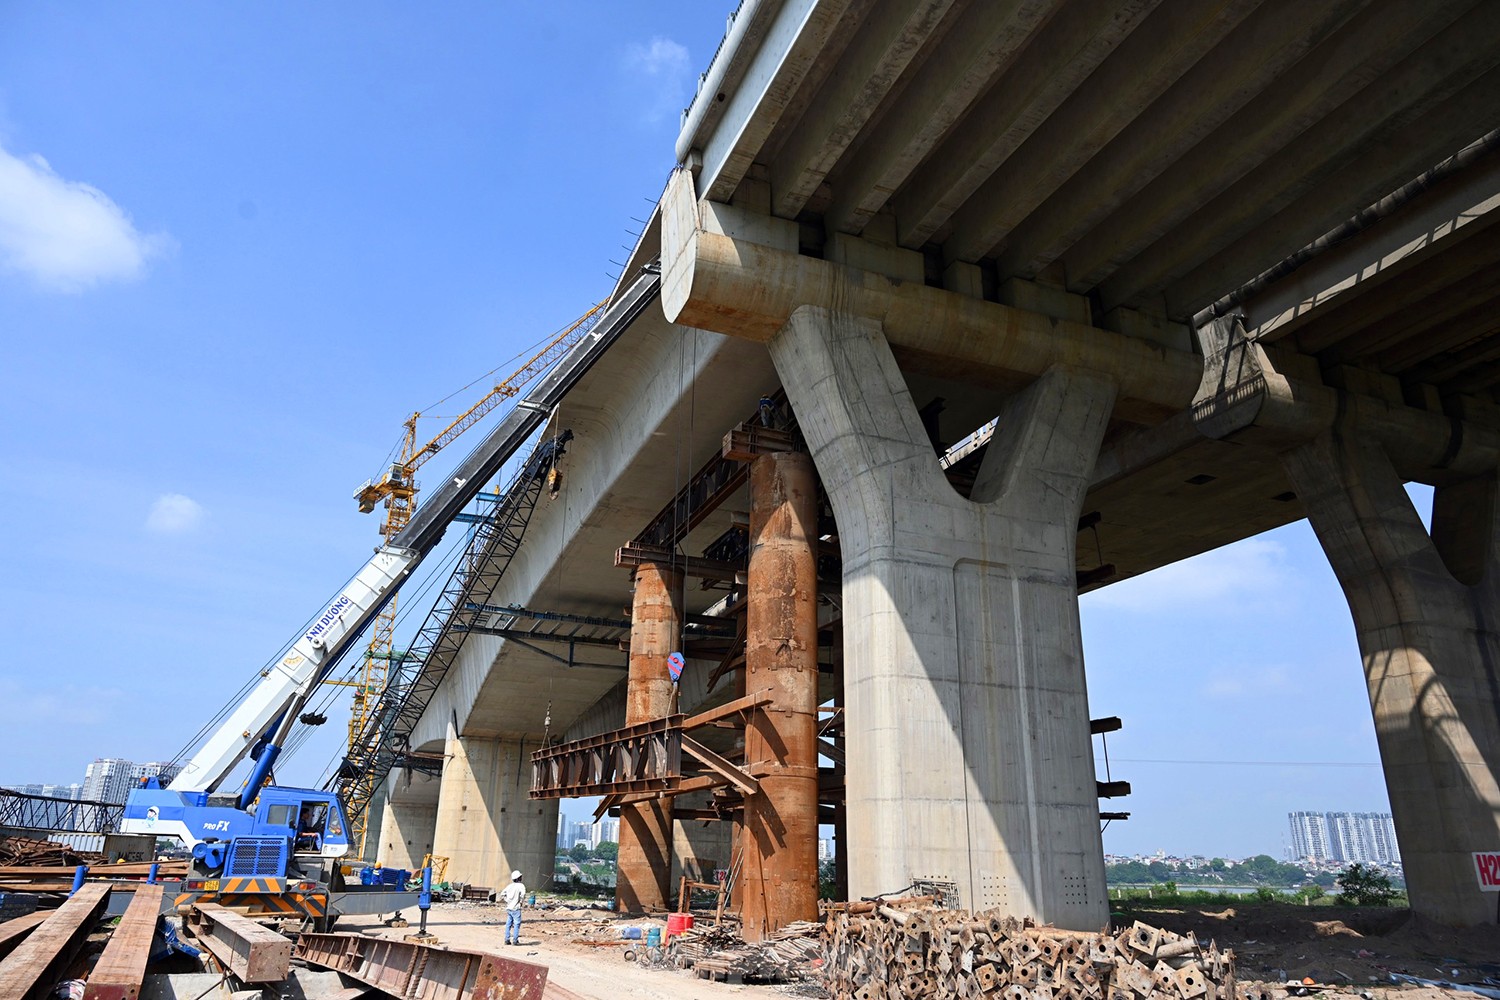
{"points": [[313, 906], [252, 885]]}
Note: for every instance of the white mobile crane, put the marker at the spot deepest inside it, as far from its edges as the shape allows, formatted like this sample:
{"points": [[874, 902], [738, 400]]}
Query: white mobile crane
{"points": [[273, 848]]}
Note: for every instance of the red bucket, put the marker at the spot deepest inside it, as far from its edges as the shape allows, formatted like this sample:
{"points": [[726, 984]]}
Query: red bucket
{"points": [[677, 923]]}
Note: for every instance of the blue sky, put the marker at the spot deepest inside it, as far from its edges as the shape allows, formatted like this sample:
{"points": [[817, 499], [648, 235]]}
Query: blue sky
{"points": [[238, 244]]}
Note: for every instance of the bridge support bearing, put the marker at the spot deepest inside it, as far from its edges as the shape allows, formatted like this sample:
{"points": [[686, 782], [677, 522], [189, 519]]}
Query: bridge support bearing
{"points": [[778, 829], [644, 867], [1427, 612], [969, 757], [487, 824]]}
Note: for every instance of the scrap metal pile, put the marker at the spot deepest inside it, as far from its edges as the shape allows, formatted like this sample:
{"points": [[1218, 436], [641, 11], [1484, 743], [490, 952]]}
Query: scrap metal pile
{"points": [[786, 956], [906, 948], [26, 851]]}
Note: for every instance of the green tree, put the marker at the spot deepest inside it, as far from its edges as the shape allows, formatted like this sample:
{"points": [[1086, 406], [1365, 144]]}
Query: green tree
{"points": [[607, 850], [827, 880], [1159, 871], [1217, 865], [1313, 891], [1364, 885], [579, 853]]}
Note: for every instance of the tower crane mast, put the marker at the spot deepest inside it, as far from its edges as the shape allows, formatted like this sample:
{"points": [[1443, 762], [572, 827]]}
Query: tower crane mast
{"points": [[397, 490]]}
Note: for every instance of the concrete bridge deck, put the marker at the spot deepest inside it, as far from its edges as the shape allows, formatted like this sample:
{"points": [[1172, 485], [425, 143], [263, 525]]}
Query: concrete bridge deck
{"points": [[1256, 219]]}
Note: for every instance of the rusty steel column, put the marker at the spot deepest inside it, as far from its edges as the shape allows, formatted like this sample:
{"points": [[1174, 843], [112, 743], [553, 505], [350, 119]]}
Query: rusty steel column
{"points": [[644, 868], [780, 824]]}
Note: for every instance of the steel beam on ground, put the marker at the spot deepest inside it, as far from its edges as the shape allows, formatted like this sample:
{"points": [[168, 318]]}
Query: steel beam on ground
{"points": [[31, 971], [409, 969], [122, 968], [14, 930], [254, 954]]}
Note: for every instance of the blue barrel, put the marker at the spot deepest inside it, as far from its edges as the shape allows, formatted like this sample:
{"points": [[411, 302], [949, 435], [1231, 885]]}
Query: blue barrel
{"points": [[630, 933], [653, 938]]}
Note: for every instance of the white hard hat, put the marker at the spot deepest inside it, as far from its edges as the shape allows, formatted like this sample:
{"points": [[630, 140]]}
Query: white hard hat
{"points": [[515, 876]]}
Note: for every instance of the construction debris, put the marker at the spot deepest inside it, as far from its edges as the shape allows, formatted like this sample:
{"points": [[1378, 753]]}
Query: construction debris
{"points": [[787, 955], [888, 949], [27, 851]]}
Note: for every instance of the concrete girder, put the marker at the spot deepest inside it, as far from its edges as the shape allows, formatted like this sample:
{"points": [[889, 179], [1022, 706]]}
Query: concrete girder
{"points": [[1426, 610], [1055, 61], [1266, 44], [717, 282], [1142, 68], [974, 769], [638, 394], [795, 39], [1423, 227], [1343, 65], [1430, 298], [880, 51], [1414, 114], [982, 42], [1410, 143]]}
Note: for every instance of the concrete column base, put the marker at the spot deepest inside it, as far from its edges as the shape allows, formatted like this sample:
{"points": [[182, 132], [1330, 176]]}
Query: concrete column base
{"points": [[1427, 612], [486, 825], [970, 761]]}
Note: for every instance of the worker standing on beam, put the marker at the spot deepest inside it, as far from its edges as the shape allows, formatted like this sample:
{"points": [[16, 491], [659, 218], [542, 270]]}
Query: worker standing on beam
{"points": [[512, 896]]}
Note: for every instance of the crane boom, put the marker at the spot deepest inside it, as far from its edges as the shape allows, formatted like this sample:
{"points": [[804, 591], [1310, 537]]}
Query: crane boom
{"points": [[267, 713]]}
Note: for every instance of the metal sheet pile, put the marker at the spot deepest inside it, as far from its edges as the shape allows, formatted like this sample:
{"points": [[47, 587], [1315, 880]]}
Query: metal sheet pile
{"points": [[892, 950]]}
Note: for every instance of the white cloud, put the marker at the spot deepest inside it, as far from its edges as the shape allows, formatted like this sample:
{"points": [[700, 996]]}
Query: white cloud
{"points": [[66, 235], [664, 68], [174, 514], [1225, 579]]}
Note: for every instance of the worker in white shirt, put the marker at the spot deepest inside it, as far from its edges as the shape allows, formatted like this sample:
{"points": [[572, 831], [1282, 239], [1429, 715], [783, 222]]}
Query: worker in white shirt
{"points": [[511, 896]]}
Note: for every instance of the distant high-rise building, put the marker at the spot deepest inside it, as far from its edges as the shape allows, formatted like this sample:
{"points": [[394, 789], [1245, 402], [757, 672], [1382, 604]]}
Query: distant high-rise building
{"points": [[107, 780], [1344, 836], [162, 771], [1309, 836]]}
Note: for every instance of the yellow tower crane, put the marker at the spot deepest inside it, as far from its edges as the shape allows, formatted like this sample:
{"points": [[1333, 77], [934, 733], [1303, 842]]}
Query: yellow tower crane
{"points": [[397, 490]]}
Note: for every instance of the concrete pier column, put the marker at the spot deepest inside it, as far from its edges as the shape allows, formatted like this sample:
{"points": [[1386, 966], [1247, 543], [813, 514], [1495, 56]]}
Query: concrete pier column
{"points": [[969, 757], [486, 823], [403, 834], [644, 869], [1426, 609], [779, 825]]}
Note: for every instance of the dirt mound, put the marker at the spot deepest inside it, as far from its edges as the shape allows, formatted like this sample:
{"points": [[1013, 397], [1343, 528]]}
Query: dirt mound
{"points": [[1355, 946]]}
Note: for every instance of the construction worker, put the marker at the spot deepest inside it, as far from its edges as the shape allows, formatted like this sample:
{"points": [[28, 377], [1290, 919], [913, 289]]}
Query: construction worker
{"points": [[512, 896]]}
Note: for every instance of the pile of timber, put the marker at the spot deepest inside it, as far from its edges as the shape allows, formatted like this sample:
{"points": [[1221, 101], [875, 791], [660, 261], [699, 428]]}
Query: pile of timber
{"points": [[26, 851], [892, 950], [785, 956]]}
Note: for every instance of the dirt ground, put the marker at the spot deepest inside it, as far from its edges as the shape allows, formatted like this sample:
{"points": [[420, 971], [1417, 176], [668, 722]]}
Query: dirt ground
{"points": [[552, 937], [1355, 947], [1349, 953]]}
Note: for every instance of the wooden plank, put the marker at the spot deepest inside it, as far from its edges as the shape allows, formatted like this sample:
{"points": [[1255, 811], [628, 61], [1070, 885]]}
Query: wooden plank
{"points": [[30, 972], [253, 953], [122, 967], [14, 930]]}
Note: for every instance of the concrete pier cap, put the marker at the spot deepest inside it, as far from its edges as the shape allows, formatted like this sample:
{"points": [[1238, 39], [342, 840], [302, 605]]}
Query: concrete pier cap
{"points": [[718, 273]]}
